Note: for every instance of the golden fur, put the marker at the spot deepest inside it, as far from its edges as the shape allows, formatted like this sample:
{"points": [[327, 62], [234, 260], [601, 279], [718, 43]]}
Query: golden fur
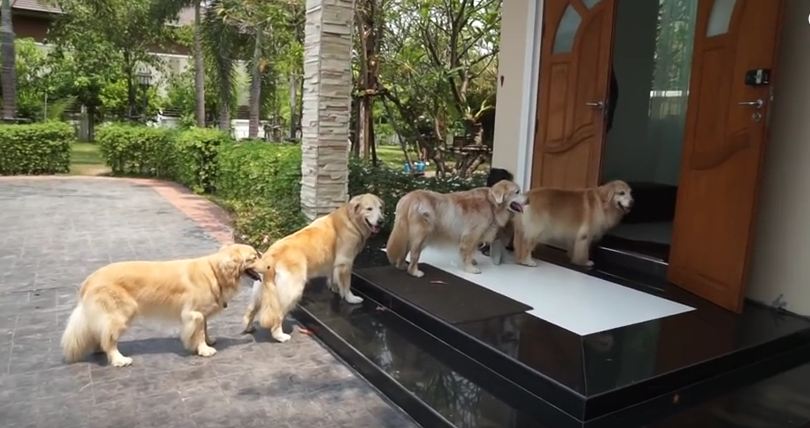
{"points": [[189, 291], [327, 248], [573, 218], [466, 219]]}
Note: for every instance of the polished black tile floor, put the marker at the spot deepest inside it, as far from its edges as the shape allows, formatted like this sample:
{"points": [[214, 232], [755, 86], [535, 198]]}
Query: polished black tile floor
{"points": [[517, 370]]}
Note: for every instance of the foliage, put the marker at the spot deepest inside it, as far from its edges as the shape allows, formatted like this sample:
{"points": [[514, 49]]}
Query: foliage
{"points": [[137, 150], [42, 148], [196, 157], [260, 183], [31, 83], [391, 184], [109, 40], [259, 170]]}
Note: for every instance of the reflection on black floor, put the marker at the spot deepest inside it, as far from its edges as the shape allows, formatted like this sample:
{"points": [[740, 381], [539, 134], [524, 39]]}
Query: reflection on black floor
{"points": [[707, 367]]}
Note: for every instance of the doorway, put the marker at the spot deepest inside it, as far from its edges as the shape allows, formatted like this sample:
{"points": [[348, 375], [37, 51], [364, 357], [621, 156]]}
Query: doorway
{"points": [[651, 66]]}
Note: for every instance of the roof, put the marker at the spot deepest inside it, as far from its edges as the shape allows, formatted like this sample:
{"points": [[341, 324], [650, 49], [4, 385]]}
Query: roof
{"points": [[35, 6]]}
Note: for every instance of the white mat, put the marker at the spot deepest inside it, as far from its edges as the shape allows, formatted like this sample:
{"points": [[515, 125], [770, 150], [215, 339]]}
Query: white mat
{"points": [[572, 300]]}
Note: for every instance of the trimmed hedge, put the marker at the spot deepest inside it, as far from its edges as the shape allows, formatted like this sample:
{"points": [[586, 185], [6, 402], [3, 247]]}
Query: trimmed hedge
{"points": [[41, 148], [137, 150], [259, 170], [260, 183], [196, 157]]}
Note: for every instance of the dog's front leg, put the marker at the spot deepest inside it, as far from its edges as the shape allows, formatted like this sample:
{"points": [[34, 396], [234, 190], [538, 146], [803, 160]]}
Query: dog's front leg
{"points": [[193, 335], [467, 252], [342, 278], [496, 251], [579, 255]]}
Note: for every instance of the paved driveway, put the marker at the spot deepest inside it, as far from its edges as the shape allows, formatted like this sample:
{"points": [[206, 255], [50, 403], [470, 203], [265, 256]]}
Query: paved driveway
{"points": [[54, 232]]}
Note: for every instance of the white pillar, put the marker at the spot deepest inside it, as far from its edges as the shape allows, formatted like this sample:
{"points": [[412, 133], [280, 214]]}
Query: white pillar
{"points": [[327, 105], [518, 68]]}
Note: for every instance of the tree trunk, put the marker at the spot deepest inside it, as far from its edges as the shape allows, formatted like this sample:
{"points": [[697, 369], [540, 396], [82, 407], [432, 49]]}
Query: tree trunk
{"points": [[256, 84], [199, 67], [293, 104], [9, 71], [224, 117]]}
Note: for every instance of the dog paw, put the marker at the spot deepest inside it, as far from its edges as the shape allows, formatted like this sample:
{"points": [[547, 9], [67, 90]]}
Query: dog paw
{"points": [[206, 351], [472, 269], [121, 361], [589, 263], [282, 337], [529, 263], [249, 328], [417, 273], [474, 262], [352, 299]]}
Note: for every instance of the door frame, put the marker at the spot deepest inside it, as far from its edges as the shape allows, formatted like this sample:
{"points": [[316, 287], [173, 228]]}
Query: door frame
{"points": [[525, 178]]}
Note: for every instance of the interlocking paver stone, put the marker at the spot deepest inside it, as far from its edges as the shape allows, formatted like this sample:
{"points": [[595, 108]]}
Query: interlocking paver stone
{"points": [[56, 231]]}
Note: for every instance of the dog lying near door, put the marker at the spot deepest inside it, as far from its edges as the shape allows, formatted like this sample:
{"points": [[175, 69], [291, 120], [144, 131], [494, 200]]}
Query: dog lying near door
{"points": [[465, 218], [187, 290], [326, 247], [575, 218]]}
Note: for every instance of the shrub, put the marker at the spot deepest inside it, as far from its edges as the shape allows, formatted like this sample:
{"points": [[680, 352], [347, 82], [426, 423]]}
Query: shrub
{"points": [[259, 170], [196, 157], [42, 148], [392, 184], [137, 150], [260, 184], [259, 222]]}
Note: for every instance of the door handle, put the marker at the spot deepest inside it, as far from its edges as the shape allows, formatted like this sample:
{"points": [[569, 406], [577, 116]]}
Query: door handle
{"points": [[757, 104], [599, 105]]}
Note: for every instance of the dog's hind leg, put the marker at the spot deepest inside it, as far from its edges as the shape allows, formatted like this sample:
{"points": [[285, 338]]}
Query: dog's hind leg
{"points": [[113, 329], [253, 308], [210, 341], [523, 247], [289, 287], [193, 334], [415, 251], [342, 279]]}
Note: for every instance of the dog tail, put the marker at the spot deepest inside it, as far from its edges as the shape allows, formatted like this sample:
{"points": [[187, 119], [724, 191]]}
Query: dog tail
{"points": [[78, 339], [265, 295], [397, 246]]}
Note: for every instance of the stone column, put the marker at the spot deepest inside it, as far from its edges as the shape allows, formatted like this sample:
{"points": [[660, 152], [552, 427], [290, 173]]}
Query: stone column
{"points": [[327, 104]]}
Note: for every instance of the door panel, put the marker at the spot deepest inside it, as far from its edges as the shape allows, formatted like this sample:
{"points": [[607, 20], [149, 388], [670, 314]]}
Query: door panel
{"points": [[723, 149], [573, 93]]}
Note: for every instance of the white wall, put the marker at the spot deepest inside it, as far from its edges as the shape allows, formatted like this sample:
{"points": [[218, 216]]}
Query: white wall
{"points": [[517, 80], [781, 257]]}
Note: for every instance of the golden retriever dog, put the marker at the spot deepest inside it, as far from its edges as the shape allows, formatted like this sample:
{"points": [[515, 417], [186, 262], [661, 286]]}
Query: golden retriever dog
{"points": [[189, 291], [466, 219], [573, 218], [327, 248]]}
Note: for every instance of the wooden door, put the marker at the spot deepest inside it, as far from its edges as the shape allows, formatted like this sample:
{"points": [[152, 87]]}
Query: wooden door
{"points": [[724, 143], [573, 92]]}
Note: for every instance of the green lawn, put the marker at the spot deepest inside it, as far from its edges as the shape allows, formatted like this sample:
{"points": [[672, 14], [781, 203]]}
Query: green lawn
{"points": [[85, 159], [392, 156]]}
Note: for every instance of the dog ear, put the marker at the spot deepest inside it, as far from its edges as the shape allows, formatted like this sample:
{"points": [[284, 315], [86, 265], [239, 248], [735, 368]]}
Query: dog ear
{"points": [[229, 263], [606, 192], [498, 194]]}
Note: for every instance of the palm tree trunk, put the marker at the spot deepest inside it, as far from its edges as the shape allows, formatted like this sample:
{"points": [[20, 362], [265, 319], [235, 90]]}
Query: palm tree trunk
{"points": [[9, 70], [293, 104], [199, 67], [255, 84]]}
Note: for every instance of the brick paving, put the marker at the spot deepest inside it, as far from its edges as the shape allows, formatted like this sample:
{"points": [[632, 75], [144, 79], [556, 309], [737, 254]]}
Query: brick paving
{"points": [[55, 231]]}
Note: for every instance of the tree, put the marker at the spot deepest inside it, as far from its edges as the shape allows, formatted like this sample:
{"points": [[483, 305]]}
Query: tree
{"points": [[129, 30], [199, 66], [9, 72]]}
